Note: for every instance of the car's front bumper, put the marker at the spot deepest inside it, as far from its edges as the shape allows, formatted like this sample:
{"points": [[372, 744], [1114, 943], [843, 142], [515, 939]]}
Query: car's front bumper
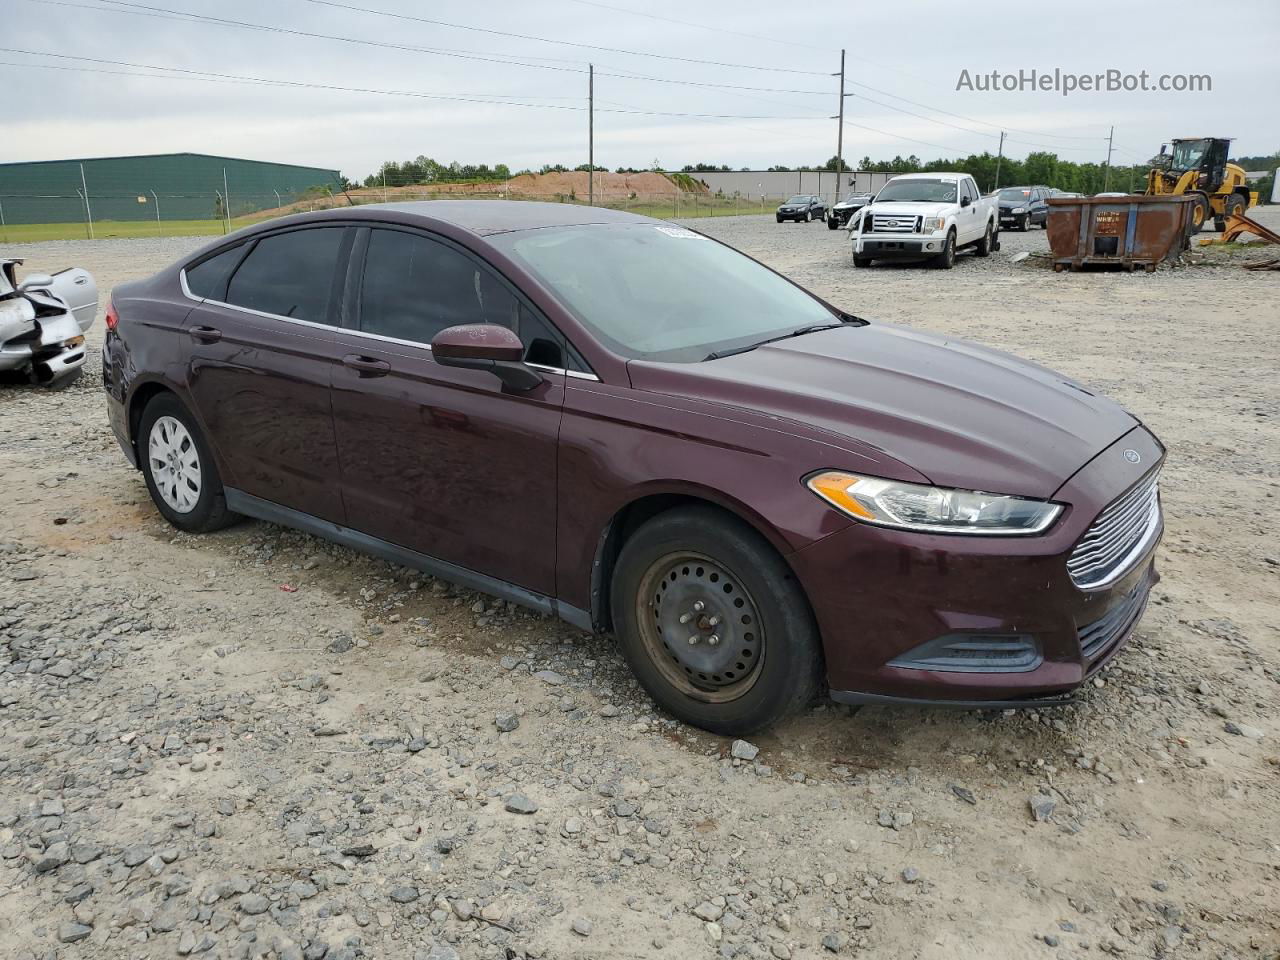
{"points": [[884, 599], [1010, 219], [889, 246]]}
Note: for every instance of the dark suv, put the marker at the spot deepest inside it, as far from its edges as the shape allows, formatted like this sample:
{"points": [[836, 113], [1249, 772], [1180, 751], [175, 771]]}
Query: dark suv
{"points": [[1023, 207], [636, 428]]}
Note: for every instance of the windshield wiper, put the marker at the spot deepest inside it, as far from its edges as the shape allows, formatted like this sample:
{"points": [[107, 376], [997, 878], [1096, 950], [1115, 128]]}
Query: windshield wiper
{"points": [[814, 328]]}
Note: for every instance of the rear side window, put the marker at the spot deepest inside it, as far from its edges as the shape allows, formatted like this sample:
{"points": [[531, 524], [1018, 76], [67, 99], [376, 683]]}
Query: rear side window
{"points": [[415, 287], [289, 274], [208, 278]]}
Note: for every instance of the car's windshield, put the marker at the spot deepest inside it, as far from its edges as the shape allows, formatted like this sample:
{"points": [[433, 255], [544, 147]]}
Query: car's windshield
{"points": [[935, 191], [1015, 193], [799, 198], [1188, 154], [660, 292]]}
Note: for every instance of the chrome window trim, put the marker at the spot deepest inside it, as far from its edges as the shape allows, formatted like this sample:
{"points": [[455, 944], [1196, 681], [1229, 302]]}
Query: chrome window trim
{"points": [[182, 276]]}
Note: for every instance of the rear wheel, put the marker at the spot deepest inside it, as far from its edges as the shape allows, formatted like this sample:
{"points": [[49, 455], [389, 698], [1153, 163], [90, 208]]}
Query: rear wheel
{"points": [[1234, 204], [178, 467], [713, 623], [984, 246]]}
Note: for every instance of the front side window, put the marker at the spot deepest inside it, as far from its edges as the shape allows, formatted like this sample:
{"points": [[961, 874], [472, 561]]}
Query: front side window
{"points": [[414, 287], [289, 274], [661, 292]]}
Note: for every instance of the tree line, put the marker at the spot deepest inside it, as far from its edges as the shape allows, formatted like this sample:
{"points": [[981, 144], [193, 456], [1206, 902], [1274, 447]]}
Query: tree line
{"points": [[1041, 167]]}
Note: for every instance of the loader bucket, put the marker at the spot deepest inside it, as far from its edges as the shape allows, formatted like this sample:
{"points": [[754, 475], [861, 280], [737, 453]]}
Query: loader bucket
{"points": [[1129, 231]]}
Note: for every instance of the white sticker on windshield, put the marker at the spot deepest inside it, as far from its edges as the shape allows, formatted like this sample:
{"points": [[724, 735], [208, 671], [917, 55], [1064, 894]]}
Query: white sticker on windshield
{"points": [[680, 233]]}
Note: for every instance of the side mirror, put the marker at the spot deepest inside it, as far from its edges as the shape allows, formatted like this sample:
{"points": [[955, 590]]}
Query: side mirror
{"points": [[485, 346], [35, 281], [964, 201]]}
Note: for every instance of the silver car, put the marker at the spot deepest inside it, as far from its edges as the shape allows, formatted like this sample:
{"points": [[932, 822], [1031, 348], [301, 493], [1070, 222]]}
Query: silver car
{"points": [[43, 320]]}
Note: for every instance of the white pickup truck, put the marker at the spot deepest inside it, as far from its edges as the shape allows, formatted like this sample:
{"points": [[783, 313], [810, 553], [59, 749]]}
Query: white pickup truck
{"points": [[925, 216]]}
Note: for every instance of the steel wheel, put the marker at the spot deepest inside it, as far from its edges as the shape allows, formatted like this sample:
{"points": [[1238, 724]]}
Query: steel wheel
{"points": [[175, 464], [700, 626]]}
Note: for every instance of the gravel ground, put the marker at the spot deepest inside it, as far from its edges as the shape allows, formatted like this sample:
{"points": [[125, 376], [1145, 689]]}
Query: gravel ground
{"points": [[195, 760]]}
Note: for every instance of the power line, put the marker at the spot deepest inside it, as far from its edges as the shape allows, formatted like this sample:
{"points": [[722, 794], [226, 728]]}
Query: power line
{"points": [[700, 26], [145, 10], [566, 43], [475, 98]]}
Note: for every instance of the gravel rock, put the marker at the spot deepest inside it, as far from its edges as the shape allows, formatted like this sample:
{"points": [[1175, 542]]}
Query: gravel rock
{"points": [[506, 722], [742, 750], [519, 803], [1042, 807]]}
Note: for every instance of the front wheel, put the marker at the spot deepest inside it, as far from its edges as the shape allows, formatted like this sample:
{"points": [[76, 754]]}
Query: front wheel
{"points": [[1199, 213], [779, 219], [947, 258], [862, 261], [713, 622], [178, 467], [832, 223]]}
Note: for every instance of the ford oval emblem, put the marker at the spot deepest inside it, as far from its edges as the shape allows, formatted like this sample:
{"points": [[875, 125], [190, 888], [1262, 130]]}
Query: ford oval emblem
{"points": [[1133, 456]]}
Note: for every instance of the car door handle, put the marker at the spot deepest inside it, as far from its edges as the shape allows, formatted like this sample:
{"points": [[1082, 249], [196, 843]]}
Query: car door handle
{"points": [[205, 334], [366, 366]]}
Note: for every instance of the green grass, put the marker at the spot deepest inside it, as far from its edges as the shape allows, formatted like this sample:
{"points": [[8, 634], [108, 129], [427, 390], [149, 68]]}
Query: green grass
{"points": [[37, 232]]}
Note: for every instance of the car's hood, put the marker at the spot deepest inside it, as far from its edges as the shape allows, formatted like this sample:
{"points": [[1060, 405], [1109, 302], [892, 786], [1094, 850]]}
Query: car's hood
{"points": [[889, 208], [847, 204], [961, 414], [1010, 204]]}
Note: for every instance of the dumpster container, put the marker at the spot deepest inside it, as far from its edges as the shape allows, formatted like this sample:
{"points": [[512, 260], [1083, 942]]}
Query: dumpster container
{"points": [[1128, 231]]}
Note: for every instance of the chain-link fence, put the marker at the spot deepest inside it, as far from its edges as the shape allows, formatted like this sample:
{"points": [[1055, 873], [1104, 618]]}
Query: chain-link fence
{"points": [[195, 195]]}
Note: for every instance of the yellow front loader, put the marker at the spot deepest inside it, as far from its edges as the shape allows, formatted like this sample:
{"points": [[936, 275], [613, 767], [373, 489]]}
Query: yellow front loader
{"points": [[1200, 167]]}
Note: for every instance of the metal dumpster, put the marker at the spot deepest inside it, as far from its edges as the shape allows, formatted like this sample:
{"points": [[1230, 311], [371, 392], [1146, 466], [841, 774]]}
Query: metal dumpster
{"points": [[1128, 231]]}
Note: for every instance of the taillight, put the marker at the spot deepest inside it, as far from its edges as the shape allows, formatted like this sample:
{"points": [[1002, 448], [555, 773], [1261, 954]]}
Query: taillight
{"points": [[113, 318]]}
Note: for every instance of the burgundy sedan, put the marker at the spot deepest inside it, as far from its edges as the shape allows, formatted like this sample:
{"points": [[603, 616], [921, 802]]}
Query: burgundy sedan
{"points": [[641, 430]]}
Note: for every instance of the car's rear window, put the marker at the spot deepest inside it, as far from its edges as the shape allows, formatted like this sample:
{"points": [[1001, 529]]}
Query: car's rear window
{"points": [[208, 278]]}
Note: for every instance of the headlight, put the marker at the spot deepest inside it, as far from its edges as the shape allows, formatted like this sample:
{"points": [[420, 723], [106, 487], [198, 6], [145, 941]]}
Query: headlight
{"points": [[934, 223], [913, 506], [1019, 209]]}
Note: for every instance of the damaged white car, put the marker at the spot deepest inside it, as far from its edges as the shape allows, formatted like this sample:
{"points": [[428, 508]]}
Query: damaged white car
{"points": [[43, 320]]}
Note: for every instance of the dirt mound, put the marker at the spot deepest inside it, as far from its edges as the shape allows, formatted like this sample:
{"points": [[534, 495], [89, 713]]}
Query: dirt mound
{"points": [[608, 186]]}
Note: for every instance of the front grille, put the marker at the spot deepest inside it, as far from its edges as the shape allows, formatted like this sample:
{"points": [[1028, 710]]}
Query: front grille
{"points": [[1116, 538], [1104, 633], [891, 223]]}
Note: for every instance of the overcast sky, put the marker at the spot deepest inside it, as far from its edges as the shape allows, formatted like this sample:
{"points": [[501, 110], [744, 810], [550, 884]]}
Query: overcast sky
{"points": [[912, 51]]}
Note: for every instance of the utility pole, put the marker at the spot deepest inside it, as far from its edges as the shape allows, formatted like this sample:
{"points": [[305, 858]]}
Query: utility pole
{"points": [[1106, 170], [999, 157], [88, 211], [591, 134], [157, 200], [226, 199], [840, 135]]}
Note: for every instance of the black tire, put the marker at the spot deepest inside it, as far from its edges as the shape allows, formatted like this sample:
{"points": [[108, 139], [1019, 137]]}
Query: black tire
{"points": [[769, 662], [779, 219], [1200, 213], [209, 511], [947, 258], [986, 244], [832, 223], [862, 261], [1232, 204], [1023, 224]]}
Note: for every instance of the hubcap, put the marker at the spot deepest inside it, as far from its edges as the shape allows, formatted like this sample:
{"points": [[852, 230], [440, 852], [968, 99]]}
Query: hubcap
{"points": [[701, 627], [175, 464]]}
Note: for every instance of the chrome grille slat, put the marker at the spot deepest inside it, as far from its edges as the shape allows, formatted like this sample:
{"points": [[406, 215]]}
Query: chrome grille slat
{"points": [[894, 223], [1115, 535]]}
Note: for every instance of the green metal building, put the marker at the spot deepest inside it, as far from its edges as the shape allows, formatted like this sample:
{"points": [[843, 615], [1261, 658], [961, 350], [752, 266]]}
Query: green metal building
{"points": [[168, 186]]}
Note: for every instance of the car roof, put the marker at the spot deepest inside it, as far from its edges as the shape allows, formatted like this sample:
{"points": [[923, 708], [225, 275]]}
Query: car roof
{"points": [[930, 176], [481, 217]]}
